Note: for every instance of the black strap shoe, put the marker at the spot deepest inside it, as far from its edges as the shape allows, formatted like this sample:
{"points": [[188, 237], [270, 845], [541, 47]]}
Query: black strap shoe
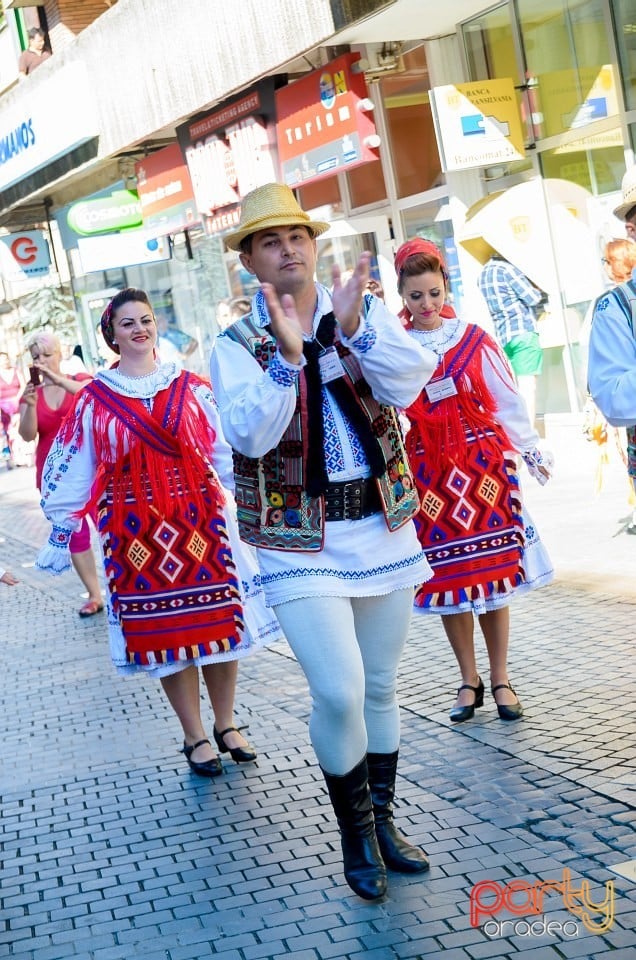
{"points": [[208, 768], [459, 714], [507, 711], [238, 754]]}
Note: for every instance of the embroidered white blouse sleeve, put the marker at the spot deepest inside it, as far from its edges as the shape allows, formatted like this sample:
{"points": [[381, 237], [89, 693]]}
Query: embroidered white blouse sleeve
{"points": [[512, 412], [67, 478], [254, 408], [394, 365]]}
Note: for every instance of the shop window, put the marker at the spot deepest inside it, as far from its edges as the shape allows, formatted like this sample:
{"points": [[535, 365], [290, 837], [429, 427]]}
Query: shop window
{"points": [[490, 54], [322, 193], [489, 45], [596, 162], [568, 60], [625, 23], [366, 184], [409, 121]]}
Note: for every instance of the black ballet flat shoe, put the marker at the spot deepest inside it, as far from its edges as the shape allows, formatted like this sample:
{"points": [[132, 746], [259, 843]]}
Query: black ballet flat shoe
{"points": [[209, 768], [507, 711], [238, 754], [459, 714]]}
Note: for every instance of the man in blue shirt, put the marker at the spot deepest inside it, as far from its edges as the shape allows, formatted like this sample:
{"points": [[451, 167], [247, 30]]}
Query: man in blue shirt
{"points": [[513, 302], [612, 351]]}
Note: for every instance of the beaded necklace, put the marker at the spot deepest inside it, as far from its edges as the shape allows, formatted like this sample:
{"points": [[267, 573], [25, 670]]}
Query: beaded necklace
{"points": [[437, 338], [139, 376]]}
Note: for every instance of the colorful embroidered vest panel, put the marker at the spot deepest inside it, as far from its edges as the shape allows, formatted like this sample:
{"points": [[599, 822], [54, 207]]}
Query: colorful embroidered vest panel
{"points": [[274, 511]]}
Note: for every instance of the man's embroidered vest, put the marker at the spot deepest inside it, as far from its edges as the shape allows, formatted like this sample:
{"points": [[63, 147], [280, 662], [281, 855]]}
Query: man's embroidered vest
{"points": [[274, 511]]}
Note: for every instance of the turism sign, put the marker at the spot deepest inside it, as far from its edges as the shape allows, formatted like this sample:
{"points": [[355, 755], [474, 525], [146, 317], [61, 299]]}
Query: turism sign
{"points": [[325, 122]]}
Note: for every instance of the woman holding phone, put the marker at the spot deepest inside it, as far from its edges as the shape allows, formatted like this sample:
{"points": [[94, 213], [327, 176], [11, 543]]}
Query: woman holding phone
{"points": [[47, 398]]}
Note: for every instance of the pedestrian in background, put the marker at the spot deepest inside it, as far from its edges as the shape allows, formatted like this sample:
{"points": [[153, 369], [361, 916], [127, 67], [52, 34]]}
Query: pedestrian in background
{"points": [[612, 350], [307, 385], [43, 407], [143, 443], [466, 426], [35, 54], [514, 304], [11, 387]]}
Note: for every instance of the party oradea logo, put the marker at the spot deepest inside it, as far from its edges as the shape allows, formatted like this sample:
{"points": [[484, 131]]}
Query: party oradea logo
{"points": [[490, 898]]}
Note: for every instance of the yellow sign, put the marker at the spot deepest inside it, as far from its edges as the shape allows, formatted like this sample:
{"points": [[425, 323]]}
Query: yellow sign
{"points": [[477, 124]]}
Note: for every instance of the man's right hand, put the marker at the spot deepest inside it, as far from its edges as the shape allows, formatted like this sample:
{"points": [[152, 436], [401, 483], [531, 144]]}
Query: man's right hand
{"points": [[285, 324]]}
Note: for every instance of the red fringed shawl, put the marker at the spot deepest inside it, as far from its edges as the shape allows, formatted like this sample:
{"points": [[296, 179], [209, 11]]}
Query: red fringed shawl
{"points": [[155, 456], [171, 575], [439, 427], [470, 523]]}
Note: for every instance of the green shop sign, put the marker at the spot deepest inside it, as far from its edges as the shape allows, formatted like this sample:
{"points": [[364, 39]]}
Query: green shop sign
{"points": [[119, 210]]}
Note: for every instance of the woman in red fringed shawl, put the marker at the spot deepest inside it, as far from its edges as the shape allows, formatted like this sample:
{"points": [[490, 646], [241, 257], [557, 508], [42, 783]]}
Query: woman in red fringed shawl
{"points": [[142, 444], [465, 428]]}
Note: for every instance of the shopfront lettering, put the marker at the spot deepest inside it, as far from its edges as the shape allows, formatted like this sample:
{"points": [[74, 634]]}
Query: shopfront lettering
{"points": [[17, 140], [506, 152], [493, 100], [120, 210], [161, 193], [224, 169], [224, 221], [229, 114], [318, 123]]}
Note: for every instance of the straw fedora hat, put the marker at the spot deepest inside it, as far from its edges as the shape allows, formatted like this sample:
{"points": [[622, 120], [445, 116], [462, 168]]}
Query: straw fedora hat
{"points": [[628, 186], [272, 205]]}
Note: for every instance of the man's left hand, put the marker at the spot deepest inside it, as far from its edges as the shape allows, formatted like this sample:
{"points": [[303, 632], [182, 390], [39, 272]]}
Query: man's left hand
{"points": [[347, 299]]}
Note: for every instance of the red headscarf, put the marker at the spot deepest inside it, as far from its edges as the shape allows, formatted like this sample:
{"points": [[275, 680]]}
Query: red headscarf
{"points": [[428, 248]]}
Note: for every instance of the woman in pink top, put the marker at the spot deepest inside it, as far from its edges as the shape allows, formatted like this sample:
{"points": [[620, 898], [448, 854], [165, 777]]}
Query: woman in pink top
{"points": [[11, 386], [42, 410]]}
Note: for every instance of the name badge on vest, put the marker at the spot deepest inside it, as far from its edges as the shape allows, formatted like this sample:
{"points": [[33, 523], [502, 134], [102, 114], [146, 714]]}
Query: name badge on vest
{"points": [[441, 389], [330, 366]]}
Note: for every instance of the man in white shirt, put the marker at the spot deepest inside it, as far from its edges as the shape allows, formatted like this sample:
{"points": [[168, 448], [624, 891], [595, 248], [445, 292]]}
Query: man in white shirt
{"points": [[307, 386]]}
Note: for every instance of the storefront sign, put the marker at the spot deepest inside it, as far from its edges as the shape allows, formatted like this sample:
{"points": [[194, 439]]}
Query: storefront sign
{"points": [[477, 124], [165, 192], [24, 255], [31, 134], [121, 250], [325, 123], [106, 211], [230, 152]]}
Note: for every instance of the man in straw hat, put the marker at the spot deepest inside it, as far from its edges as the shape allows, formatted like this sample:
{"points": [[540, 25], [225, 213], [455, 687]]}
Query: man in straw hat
{"points": [[307, 385], [612, 350]]}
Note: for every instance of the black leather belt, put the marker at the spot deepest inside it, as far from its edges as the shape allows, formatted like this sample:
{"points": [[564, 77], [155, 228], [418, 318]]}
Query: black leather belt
{"points": [[353, 500]]}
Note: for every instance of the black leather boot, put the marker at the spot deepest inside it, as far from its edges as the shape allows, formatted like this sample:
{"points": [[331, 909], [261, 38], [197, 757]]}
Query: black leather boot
{"points": [[364, 868], [397, 852]]}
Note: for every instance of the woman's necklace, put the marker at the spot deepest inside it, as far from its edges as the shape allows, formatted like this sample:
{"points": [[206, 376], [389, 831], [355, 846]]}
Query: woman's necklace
{"points": [[139, 376], [437, 338]]}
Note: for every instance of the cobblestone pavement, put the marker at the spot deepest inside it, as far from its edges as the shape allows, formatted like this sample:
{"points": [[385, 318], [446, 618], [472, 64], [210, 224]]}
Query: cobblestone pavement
{"points": [[112, 849]]}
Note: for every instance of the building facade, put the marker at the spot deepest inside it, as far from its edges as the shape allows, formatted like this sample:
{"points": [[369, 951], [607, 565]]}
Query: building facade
{"points": [[481, 126]]}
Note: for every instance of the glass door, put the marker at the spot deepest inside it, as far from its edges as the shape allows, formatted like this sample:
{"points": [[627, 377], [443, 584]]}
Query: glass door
{"points": [[94, 346]]}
